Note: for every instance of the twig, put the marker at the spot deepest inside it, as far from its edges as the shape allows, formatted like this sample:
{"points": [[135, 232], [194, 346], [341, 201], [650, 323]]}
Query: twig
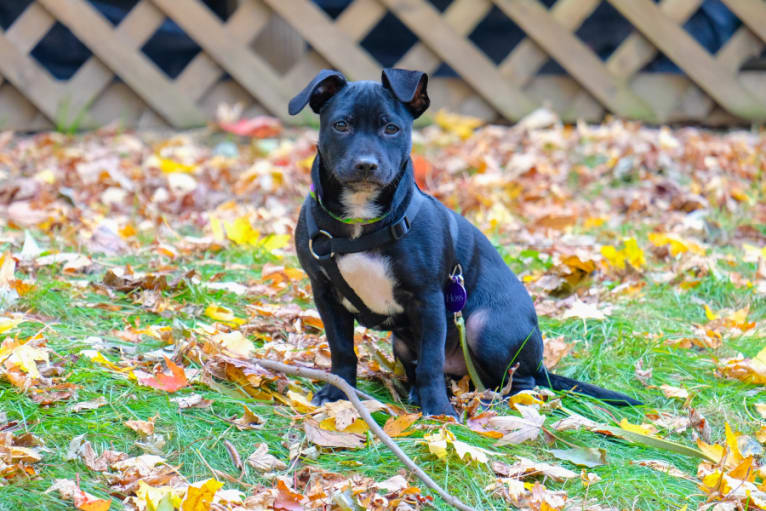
{"points": [[352, 396]]}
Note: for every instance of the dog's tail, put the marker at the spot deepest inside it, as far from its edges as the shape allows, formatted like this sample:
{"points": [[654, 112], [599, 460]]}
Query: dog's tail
{"points": [[557, 382]]}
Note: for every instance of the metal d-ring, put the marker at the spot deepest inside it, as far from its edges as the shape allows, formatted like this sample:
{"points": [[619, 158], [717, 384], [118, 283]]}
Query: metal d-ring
{"points": [[311, 246], [457, 271]]}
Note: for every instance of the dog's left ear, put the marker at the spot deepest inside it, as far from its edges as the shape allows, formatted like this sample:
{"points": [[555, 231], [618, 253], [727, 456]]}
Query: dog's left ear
{"points": [[409, 87], [324, 86]]}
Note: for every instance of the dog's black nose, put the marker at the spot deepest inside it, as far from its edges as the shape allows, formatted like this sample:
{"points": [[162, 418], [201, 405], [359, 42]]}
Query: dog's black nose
{"points": [[366, 165]]}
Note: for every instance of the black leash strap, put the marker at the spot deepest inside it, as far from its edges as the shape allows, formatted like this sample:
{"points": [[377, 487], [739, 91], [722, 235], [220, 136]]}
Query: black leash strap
{"points": [[323, 247]]}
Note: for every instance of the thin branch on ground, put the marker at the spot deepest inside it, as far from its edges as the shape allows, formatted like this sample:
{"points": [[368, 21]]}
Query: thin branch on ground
{"points": [[351, 394]]}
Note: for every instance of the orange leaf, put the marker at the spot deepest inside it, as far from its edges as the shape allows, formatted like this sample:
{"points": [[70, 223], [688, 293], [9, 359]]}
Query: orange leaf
{"points": [[396, 426], [167, 382]]}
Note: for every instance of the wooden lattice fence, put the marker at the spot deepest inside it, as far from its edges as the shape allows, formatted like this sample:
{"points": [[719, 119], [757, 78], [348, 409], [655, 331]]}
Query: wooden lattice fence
{"points": [[266, 50]]}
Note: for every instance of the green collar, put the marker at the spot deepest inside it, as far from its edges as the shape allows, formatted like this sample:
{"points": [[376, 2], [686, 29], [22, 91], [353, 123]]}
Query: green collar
{"points": [[357, 221]]}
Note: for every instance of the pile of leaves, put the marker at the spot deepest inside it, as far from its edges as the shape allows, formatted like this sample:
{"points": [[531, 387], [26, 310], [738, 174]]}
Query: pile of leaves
{"points": [[143, 275]]}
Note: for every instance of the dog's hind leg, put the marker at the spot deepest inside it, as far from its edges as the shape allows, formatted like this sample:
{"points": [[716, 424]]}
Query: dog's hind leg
{"points": [[405, 355]]}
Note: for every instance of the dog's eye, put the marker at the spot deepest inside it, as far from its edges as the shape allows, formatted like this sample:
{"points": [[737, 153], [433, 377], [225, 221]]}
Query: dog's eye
{"points": [[341, 125], [391, 129]]}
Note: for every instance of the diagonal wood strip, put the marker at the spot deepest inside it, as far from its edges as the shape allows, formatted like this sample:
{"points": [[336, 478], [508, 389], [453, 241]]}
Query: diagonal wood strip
{"points": [[250, 71], [203, 72], [462, 16], [28, 29], [29, 78], [696, 62], [335, 46], [132, 67], [522, 64], [474, 67], [94, 77], [636, 51], [576, 58], [752, 13], [355, 21]]}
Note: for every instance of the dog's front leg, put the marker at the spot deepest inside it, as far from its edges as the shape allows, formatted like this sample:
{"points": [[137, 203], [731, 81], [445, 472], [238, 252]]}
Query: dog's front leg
{"points": [[339, 327], [429, 381]]}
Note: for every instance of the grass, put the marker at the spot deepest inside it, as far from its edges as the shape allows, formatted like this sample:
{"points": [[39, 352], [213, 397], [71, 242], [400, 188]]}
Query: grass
{"points": [[193, 439]]}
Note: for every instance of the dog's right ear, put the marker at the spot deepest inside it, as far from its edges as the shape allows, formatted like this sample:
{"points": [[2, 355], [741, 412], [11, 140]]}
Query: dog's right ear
{"points": [[324, 86]]}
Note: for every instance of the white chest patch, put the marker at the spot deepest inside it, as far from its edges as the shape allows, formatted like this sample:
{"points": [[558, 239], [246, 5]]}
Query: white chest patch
{"points": [[359, 204], [371, 278]]}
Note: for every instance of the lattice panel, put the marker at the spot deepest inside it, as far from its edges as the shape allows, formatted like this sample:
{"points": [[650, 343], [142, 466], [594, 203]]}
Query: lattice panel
{"points": [[268, 49]]}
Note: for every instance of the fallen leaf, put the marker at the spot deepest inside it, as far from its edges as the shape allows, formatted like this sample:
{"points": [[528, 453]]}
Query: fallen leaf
{"points": [[554, 349], [192, 401], [674, 392], [143, 428], [324, 438], [528, 468], [199, 496], [518, 429], [163, 381], [398, 426], [582, 456], [88, 405], [262, 461]]}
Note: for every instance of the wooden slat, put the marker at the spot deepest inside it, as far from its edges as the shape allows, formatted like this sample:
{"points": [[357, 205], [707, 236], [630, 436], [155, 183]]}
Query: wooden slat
{"points": [[94, 77], [740, 47], [526, 59], [636, 51], [462, 16], [475, 68], [241, 63], [203, 72], [576, 58], [689, 56], [355, 21], [752, 13], [29, 78], [132, 67], [334, 45]]}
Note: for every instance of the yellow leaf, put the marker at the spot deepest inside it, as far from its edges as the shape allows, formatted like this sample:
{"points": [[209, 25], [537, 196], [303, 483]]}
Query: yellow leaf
{"points": [[199, 496], [525, 397], [437, 445], [275, 241], [398, 426], [25, 357], [735, 457], [711, 316], [235, 343], [8, 323], [241, 231], [301, 403], [634, 254], [358, 426], [461, 125], [222, 314], [713, 451], [152, 496], [615, 257], [635, 428], [169, 166], [761, 409]]}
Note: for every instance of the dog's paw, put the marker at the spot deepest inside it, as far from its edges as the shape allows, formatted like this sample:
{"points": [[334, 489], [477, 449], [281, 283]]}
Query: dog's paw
{"points": [[445, 409], [327, 394]]}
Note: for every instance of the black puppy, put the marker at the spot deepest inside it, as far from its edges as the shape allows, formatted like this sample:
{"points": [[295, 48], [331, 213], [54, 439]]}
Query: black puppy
{"points": [[380, 251]]}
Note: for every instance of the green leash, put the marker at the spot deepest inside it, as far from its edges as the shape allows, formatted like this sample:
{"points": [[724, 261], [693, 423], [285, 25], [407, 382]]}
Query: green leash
{"points": [[472, 372], [455, 298]]}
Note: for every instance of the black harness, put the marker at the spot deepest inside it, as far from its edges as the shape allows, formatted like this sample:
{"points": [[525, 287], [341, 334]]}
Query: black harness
{"points": [[323, 247]]}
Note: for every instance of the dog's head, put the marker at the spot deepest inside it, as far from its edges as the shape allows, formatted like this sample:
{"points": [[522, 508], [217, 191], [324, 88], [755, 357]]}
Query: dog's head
{"points": [[365, 127]]}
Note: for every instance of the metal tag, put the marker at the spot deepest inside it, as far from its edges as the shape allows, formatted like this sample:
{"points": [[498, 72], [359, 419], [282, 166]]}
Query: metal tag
{"points": [[456, 295]]}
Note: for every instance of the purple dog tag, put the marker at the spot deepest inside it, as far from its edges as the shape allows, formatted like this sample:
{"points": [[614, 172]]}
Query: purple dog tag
{"points": [[456, 296]]}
